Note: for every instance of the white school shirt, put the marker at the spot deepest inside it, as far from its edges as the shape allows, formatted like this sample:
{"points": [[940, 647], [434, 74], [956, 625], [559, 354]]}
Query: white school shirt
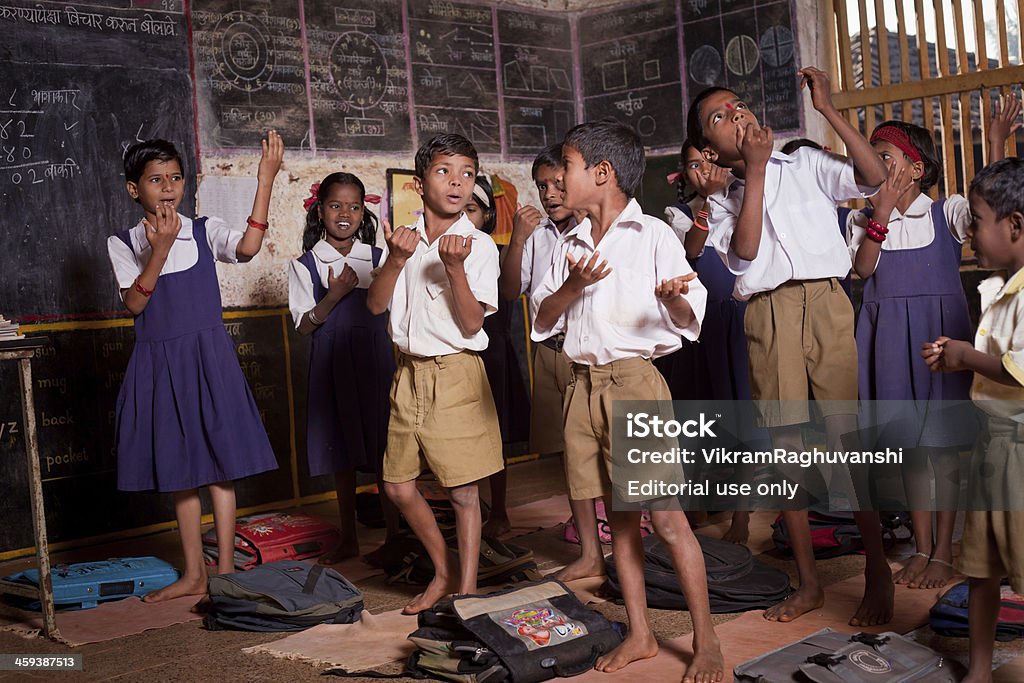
{"points": [[913, 229], [300, 284], [537, 252], [422, 309], [800, 238], [620, 317], [128, 262], [1001, 333]]}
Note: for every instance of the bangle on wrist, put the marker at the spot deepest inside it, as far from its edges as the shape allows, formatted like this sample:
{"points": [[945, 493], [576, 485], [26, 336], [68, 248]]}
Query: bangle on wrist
{"points": [[253, 223], [142, 290], [313, 319], [876, 231]]}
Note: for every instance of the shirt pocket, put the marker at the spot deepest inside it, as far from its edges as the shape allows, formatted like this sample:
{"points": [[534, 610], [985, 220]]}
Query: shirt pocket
{"points": [[439, 300], [627, 299]]}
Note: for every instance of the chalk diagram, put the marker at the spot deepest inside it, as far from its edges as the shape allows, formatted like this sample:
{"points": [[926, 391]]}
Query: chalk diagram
{"points": [[705, 65], [742, 55], [358, 69], [537, 79], [244, 54], [777, 46]]}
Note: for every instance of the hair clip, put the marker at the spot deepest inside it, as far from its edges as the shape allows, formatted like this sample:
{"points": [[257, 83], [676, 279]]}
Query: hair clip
{"points": [[371, 198], [314, 196]]}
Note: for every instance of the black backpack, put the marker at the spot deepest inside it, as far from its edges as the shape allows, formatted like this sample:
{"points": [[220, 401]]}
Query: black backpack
{"points": [[523, 634], [736, 581], [282, 596], [405, 560]]}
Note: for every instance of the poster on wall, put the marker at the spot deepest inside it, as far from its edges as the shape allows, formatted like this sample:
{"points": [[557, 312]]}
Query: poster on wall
{"points": [[404, 204]]}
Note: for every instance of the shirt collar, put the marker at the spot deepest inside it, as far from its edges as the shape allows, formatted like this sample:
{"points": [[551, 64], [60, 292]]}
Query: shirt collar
{"points": [[777, 158], [463, 226], [1015, 284], [921, 205], [631, 217], [142, 243]]}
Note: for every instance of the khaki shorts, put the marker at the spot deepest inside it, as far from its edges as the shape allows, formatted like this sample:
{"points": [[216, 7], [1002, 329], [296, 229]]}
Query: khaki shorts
{"points": [[993, 541], [800, 335], [551, 375], [442, 417], [588, 427]]}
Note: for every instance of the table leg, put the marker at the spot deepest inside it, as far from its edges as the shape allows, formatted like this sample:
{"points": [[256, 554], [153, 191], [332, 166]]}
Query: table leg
{"points": [[36, 496]]}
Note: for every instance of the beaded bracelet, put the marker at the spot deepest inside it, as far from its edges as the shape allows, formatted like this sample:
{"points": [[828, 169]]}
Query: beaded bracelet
{"points": [[142, 290], [876, 231], [253, 223]]}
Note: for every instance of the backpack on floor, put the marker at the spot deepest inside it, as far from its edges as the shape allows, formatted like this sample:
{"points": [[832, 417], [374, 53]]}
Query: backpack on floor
{"points": [[83, 585], [274, 536], [524, 634], [736, 581], [948, 617], [405, 560], [282, 596], [830, 657], [836, 533]]}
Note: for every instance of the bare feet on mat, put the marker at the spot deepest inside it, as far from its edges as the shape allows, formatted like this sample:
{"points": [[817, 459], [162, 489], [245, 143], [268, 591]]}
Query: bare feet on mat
{"points": [[633, 648], [341, 552], [912, 569], [739, 529], [434, 591], [580, 569], [936, 575], [708, 665], [496, 527], [186, 585], [877, 605], [801, 602]]}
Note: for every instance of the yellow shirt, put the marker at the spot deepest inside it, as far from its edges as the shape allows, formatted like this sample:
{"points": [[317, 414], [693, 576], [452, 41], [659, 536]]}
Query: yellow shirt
{"points": [[1001, 333]]}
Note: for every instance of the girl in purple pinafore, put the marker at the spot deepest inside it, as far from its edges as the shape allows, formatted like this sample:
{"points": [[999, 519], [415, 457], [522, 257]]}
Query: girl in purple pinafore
{"points": [[351, 361], [907, 249], [185, 415]]}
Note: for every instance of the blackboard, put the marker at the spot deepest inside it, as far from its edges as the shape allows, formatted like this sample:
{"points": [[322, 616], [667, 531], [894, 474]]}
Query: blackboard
{"points": [[250, 72], [454, 74], [538, 95], [359, 85], [74, 96], [75, 385], [632, 72], [750, 50]]}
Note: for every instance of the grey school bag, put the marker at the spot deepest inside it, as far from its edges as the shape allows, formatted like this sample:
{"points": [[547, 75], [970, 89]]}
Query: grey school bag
{"points": [[282, 596]]}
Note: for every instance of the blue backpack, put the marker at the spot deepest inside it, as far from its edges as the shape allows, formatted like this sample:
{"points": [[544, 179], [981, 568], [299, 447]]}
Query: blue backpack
{"points": [[949, 615]]}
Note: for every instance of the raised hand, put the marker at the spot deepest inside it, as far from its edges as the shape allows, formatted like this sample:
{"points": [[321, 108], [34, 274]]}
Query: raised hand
{"points": [[270, 161], [584, 272], [162, 234], [453, 249], [670, 289], [526, 220], [888, 196], [755, 144], [1004, 122], [401, 242], [818, 83], [338, 286], [715, 181]]}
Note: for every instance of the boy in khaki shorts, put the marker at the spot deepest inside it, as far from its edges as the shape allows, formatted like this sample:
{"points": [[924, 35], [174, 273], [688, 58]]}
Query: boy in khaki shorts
{"points": [[619, 308], [993, 541], [774, 227], [439, 283]]}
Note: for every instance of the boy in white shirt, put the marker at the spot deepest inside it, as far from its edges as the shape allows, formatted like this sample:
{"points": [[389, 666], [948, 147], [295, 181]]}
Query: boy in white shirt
{"points": [[617, 314], [774, 228], [439, 283], [993, 542]]}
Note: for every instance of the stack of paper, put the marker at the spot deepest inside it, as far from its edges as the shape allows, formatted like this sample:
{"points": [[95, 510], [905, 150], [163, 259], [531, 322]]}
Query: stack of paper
{"points": [[9, 330]]}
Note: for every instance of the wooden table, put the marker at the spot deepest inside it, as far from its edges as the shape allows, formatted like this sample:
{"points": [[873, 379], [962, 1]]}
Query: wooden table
{"points": [[22, 350]]}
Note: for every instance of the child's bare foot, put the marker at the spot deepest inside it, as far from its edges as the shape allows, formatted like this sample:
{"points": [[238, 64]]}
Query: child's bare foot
{"points": [[804, 600], [708, 665], [186, 585], [983, 675], [879, 596], [343, 551], [581, 568], [936, 575], [633, 648], [912, 569], [496, 526], [739, 528], [435, 590]]}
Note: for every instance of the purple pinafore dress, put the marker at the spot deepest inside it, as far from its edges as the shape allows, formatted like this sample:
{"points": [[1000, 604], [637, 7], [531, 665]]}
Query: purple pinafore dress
{"points": [[185, 415], [351, 365], [914, 297]]}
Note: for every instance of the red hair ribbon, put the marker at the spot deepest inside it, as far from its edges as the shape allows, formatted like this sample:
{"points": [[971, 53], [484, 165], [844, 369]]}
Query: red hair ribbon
{"points": [[371, 198], [673, 178], [899, 139], [314, 195]]}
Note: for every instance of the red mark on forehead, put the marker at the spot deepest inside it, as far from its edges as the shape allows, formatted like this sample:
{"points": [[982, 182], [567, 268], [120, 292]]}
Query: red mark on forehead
{"points": [[728, 106]]}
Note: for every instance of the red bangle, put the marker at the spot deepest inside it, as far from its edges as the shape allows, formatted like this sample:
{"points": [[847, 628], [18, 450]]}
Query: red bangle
{"points": [[875, 236], [253, 223], [142, 290], [877, 227]]}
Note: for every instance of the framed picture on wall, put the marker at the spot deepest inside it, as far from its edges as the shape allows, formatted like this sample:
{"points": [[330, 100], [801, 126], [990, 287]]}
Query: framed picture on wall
{"points": [[404, 205]]}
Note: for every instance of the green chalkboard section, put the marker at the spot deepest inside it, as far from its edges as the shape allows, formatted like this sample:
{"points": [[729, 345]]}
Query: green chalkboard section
{"points": [[73, 97]]}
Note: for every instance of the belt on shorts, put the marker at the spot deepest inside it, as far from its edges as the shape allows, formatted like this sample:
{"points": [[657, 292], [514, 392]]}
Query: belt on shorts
{"points": [[556, 343]]}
